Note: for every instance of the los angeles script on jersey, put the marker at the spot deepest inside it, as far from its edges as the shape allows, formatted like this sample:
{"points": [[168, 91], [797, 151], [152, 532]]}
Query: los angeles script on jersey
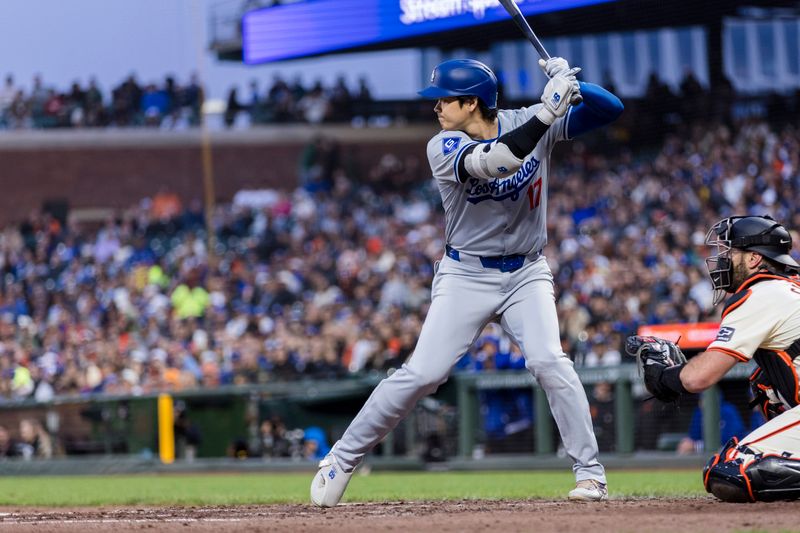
{"points": [[500, 189]]}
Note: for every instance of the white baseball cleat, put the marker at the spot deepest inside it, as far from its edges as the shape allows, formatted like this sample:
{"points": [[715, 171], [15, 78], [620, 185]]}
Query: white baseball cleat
{"points": [[589, 490], [329, 483]]}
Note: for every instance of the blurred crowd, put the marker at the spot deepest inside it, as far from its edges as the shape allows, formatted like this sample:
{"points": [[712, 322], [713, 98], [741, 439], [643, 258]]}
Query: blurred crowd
{"points": [[283, 102], [170, 104], [667, 109], [333, 280], [176, 104]]}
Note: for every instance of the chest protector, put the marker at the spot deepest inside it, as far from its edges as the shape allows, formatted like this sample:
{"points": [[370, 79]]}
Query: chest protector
{"points": [[776, 369], [778, 372]]}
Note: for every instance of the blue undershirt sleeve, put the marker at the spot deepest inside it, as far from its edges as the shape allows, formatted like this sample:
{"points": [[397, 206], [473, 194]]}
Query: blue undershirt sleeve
{"points": [[599, 107]]}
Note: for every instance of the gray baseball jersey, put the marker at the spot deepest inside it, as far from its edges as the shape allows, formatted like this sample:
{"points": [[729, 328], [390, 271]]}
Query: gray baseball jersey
{"points": [[502, 216]]}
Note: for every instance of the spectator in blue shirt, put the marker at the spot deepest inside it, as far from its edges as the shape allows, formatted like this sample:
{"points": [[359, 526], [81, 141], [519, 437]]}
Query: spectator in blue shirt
{"points": [[730, 425]]}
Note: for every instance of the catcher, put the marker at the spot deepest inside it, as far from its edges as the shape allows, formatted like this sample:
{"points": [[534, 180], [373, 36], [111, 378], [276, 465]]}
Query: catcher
{"points": [[760, 322]]}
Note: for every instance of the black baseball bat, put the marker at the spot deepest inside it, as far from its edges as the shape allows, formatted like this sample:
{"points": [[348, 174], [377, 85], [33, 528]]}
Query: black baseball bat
{"points": [[513, 9]]}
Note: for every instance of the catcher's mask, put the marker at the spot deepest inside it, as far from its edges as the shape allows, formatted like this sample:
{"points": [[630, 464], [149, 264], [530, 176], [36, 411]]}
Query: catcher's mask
{"points": [[752, 233]]}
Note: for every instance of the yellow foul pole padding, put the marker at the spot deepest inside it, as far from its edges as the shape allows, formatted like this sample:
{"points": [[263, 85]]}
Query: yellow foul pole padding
{"points": [[166, 429]]}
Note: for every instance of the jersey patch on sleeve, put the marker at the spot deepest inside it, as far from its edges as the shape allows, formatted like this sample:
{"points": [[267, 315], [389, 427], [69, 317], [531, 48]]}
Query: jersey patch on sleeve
{"points": [[449, 144], [725, 333]]}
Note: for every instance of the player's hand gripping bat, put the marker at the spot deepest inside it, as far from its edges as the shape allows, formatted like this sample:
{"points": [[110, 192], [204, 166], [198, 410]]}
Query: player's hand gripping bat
{"points": [[523, 25]]}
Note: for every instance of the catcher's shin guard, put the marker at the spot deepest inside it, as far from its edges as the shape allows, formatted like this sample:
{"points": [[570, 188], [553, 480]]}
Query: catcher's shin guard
{"points": [[723, 478], [766, 479]]}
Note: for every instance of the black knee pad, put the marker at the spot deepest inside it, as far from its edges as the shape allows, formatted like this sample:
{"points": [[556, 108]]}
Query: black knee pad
{"points": [[766, 479], [774, 478]]}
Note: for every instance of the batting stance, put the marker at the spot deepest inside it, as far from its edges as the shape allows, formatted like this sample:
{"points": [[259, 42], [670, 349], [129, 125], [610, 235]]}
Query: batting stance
{"points": [[760, 322], [492, 169]]}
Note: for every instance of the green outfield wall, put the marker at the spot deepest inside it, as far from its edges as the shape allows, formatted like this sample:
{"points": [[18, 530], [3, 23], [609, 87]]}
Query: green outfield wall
{"points": [[452, 425]]}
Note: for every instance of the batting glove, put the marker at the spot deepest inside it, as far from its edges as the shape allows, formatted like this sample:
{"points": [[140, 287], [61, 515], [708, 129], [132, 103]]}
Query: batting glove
{"points": [[557, 65], [557, 95], [553, 66]]}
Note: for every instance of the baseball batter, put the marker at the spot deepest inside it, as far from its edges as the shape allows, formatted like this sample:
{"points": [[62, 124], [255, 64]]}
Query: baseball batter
{"points": [[760, 322], [492, 168]]}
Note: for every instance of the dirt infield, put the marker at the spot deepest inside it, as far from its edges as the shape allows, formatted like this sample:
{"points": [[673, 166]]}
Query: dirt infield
{"points": [[688, 515]]}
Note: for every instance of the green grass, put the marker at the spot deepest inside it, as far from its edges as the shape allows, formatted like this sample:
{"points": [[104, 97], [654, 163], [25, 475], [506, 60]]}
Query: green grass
{"points": [[231, 489]]}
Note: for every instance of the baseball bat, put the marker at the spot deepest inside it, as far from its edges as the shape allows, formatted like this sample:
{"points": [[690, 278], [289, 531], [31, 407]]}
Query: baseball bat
{"points": [[513, 9]]}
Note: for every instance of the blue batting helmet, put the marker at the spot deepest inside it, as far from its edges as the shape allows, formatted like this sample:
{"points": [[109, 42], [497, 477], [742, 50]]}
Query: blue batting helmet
{"points": [[463, 77]]}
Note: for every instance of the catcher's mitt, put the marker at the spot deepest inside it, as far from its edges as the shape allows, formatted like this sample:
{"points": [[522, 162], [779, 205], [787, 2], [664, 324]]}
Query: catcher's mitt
{"points": [[655, 358]]}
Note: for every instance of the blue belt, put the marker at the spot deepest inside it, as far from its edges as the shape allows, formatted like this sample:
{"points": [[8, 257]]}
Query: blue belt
{"points": [[503, 263]]}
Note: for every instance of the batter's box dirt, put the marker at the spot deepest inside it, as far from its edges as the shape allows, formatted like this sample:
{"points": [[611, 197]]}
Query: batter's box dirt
{"points": [[629, 515]]}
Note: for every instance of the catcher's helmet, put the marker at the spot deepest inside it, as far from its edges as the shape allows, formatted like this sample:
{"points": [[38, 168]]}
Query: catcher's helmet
{"points": [[463, 77], [762, 235]]}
